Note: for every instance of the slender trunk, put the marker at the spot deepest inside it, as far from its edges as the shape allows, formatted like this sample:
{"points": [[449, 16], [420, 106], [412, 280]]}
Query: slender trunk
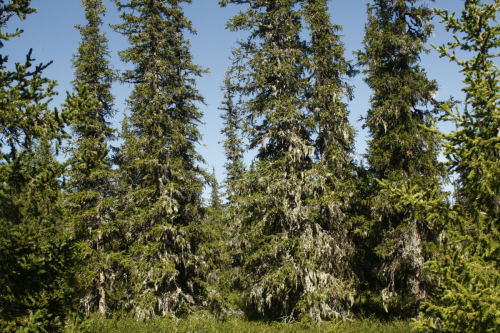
{"points": [[102, 279], [418, 288]]}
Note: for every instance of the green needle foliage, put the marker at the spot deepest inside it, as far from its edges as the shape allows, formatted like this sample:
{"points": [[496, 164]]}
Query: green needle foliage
{"points": [[234, 148], [124, 235], [334, 168], [291, 218], [233, 144], [160, 181], [90, 187], [215, 201], [217, 255], [402, 154], [33, 251], [467, 299]]}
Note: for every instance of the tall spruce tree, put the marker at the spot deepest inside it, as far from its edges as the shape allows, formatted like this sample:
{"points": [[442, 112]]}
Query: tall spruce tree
{"points": [[334, 134], [33, 249], [467, 299], [402, 155], [234, 149], [294, 263], [90, 183], [160, 180], [233, 144], [334, 147]]}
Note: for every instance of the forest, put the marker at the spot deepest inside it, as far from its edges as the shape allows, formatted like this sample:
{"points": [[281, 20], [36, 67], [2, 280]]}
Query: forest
{"points": [[307, 237]]}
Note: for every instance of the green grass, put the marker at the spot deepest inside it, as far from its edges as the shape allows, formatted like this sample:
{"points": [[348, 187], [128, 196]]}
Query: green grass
{"points": [[205, 323]]}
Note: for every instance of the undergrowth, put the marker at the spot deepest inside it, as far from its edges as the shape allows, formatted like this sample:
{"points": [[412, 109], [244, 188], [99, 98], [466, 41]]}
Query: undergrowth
{"points": [[205, 323]]}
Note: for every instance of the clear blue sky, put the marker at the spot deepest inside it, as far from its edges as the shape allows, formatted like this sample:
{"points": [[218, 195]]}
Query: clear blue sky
{"points": [[51, 34]]}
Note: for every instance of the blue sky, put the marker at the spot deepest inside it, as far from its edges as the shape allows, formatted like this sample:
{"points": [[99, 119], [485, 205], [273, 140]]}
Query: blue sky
{"points": [[51, 34]]}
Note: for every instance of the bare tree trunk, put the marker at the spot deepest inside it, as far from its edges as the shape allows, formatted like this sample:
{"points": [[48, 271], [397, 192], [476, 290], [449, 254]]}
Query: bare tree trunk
{"points": [[418, 288], [102, 279]]}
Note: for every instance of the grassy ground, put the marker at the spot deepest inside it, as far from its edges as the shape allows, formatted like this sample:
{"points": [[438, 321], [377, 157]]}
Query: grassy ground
{"points": [[205, 323]]}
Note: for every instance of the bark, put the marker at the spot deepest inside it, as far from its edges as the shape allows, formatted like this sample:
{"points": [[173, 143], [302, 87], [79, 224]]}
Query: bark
{"points": [[102, 279], [418, 288]]}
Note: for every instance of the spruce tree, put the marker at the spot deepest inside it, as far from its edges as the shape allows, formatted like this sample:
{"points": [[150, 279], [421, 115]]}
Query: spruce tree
{"points": [[33, 248], [231, 240], [233, 144], [90, 185], [216, 252], [215, 201], [327, 98], [293, 262], [467, 299], [402, 155], [160, 179]]}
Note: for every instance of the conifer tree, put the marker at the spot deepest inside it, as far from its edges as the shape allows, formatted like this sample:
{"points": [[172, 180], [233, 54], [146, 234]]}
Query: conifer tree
{"points": [[334, 147], [402, 155], [90, 184], [215, 201], [233, 144], [231, 240], [467, 298], [33, 246], [216, 252], [334, 134], [160, 181], [293, 262]]}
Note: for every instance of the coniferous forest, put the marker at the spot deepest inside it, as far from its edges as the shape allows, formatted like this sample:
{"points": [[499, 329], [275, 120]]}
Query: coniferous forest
{"points": [[100, 237]]}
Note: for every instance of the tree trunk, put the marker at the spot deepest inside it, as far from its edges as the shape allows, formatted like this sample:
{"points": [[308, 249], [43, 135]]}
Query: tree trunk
{"points": [[102, 279], [418, 289]]}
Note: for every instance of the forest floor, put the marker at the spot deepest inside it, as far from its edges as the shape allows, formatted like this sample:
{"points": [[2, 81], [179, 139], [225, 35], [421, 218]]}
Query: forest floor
{"points": [[205, 323]]}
